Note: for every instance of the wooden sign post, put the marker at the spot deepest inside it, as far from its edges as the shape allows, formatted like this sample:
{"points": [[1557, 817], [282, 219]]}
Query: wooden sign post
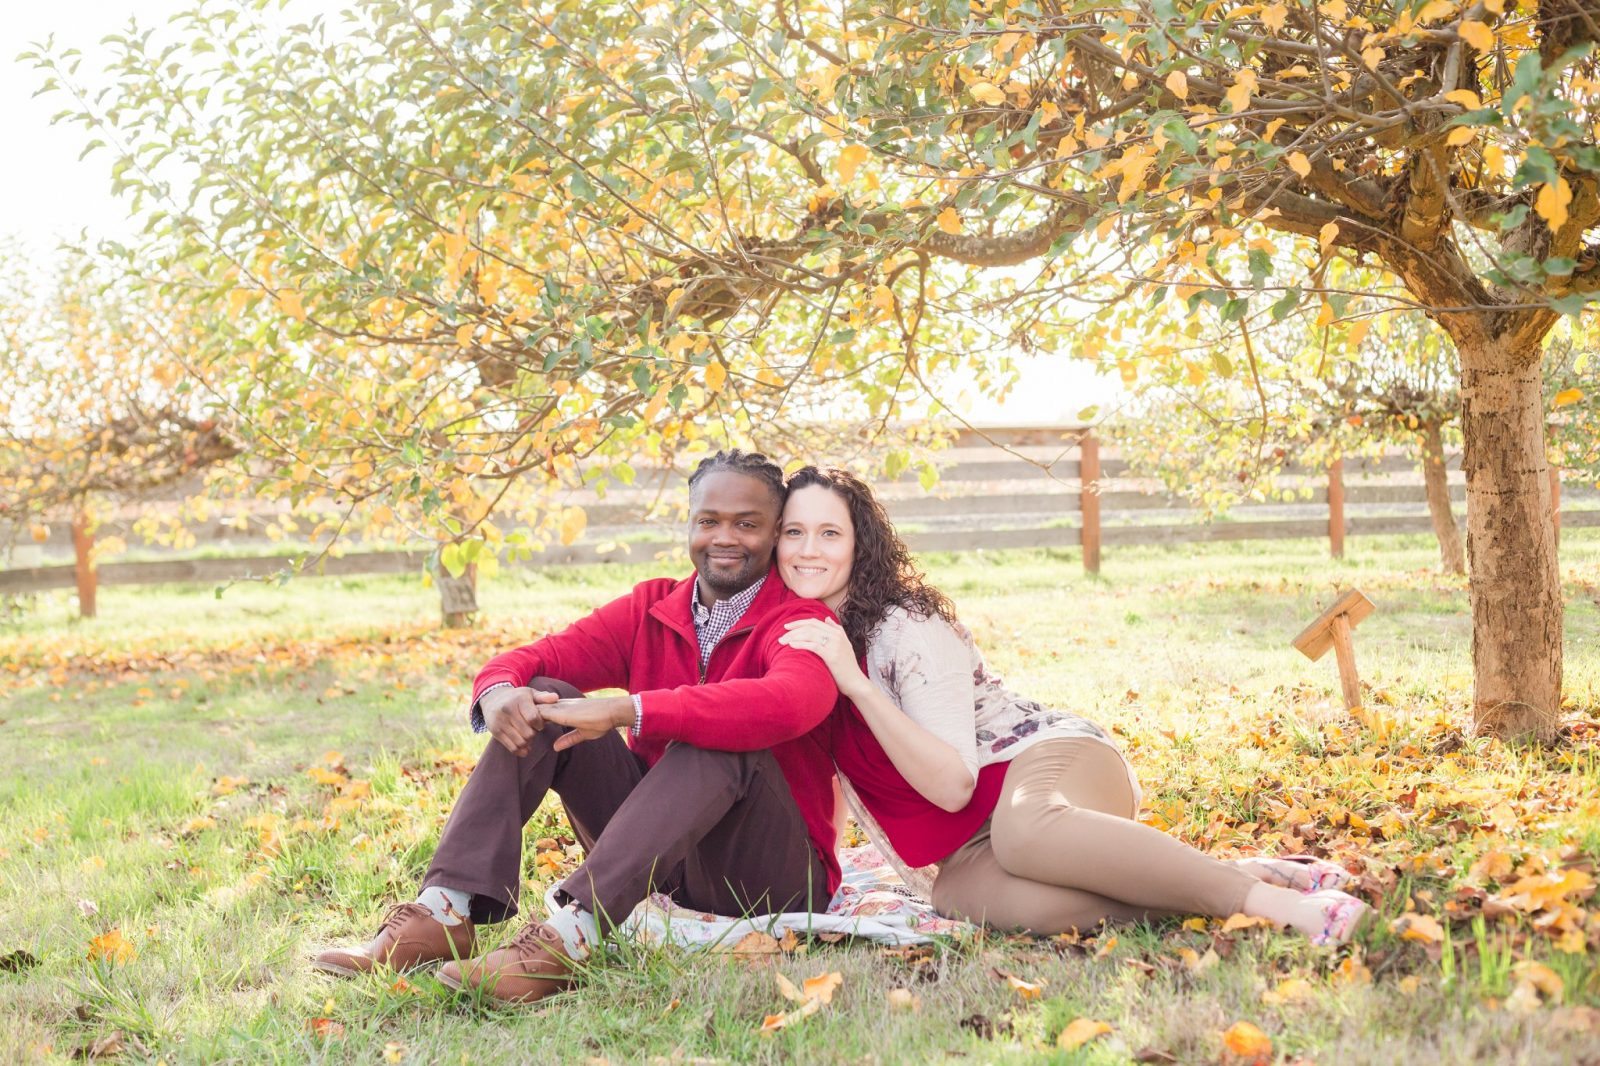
{"points": [[1332, 630]]}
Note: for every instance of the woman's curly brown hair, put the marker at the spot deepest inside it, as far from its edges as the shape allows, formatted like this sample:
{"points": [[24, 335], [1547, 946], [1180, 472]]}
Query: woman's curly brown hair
{"points": [[882, 574]]}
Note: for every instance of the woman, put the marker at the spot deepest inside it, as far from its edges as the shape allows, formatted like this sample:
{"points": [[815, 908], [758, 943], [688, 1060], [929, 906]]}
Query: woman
{"points": [[1014, 815]]}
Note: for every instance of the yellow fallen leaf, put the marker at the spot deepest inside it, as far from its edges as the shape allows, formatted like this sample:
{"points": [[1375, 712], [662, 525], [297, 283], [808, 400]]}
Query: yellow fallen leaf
{"points": [[903, 999], [1079, 1032], [950, 222], [1289, 990], [1413, 926], [1568, 396], [1548, 983], [1236, 922], [1247, 1042], [822, 987], [1026, 989], [112, 947]]}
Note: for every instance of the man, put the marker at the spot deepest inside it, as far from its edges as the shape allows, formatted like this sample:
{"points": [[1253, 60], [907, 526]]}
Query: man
{"points": [[720, 794]]}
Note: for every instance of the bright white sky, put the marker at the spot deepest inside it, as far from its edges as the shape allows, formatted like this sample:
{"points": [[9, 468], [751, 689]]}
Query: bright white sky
{"points": [[47, 194]]}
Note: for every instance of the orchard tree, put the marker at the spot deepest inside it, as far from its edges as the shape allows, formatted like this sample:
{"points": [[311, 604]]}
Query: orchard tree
{"points": [[594, 225], [96, 406], [1308, 394]]}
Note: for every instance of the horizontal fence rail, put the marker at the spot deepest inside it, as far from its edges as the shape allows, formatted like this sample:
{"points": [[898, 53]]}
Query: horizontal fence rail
{"points": [[1061, 491]]}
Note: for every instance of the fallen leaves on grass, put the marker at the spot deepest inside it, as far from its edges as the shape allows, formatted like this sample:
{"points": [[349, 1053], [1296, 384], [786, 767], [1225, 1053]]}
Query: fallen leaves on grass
{"points": [[1246, 1043], [1413, 926], [1024, 989], [17, 961], [1289, 990], [325, 1028], [1079, 1032], [111, 946], [903, 999], [105, 1047], [813, 994]]}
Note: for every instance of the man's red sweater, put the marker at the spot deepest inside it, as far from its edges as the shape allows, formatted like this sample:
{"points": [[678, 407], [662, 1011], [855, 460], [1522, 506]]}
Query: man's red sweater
{"points": [[755, 693]]}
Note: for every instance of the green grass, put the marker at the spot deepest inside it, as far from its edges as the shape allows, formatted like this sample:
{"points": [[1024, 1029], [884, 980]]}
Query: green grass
{"points": [[186, 770]]}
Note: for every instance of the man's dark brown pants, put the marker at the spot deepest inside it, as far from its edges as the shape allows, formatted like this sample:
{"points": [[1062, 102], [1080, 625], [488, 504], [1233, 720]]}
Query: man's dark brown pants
{"points": [[719, 830]]}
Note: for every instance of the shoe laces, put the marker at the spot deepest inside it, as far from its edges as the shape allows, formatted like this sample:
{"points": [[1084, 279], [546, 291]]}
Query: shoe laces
{"points": [[402, 912], [535, 935]]}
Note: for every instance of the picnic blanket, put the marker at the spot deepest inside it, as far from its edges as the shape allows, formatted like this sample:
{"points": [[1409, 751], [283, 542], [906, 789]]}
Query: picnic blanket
{"points": [[872, 902]]}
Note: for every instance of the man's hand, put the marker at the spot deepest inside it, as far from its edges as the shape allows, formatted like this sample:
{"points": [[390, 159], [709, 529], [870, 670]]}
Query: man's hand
{"points": [[589, 719], [514, 715]]}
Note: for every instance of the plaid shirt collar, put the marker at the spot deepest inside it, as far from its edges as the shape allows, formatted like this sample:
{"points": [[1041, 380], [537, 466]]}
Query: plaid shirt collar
{"points": [[712, 623]]}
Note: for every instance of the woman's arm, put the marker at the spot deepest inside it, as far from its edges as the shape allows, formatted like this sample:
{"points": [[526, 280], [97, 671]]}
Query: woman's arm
{"points": [[929, 763]]}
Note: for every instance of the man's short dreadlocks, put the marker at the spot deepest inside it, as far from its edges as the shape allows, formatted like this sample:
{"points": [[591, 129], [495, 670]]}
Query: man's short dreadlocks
{"points": [[750, 464]]}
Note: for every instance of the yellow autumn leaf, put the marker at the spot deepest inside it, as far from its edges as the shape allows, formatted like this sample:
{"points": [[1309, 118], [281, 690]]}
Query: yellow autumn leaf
{"points": [[1298, 163], [1326, 236], [111, 947], [573, 521], [1238, 95], [1564, 398], [1476, 34], [985, 93], [1413, 926], [851, 156], [1079, 1032], [1289, 990], [1542, 978], [1460, 135], [950, 222], [1026, 989], [1273, 16], [883, 298], [1465, 97], [1551, 203], [1236, 922], [716, 375], [822, 987], [1177, 84], [1434, 10], [292, 303], [1247, 1042]]}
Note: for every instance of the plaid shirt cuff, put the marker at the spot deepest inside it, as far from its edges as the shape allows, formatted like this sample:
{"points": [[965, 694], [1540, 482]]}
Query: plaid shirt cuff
{"points": [[476, 713]]}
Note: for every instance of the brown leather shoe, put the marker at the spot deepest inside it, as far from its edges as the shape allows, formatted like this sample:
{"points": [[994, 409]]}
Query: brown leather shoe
{"points": [[409, 939], [535, 964]]}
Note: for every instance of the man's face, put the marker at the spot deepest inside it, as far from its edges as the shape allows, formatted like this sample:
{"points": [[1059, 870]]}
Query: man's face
{"points": [[733, 527]]}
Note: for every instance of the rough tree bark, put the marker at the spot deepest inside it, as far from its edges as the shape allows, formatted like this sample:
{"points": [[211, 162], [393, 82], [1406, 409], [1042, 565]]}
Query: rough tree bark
{"points": [[1516, 583], [1452, 556]]}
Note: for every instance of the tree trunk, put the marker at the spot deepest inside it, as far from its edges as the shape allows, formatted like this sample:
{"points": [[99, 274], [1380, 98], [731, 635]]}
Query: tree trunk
{"points": [[458, 597], [1515, 580], [83, 562], [1452, 557]]}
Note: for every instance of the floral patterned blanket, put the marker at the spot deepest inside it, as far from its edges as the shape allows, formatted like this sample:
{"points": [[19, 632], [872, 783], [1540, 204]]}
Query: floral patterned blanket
{"points": [[872, 903]]}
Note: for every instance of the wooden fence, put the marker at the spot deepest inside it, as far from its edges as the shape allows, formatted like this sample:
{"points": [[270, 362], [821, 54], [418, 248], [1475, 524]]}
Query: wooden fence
{"points": [[1016, 487]]}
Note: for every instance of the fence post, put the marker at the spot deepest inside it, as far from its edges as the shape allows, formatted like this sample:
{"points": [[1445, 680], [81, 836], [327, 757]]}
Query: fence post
{"points": [[1336, 508], [83, 561], [1555, 501], [1089, 499]]}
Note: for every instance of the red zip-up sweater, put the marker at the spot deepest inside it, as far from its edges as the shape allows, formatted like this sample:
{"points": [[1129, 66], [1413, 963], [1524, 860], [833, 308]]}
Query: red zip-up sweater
{"points": [[755, 693]]}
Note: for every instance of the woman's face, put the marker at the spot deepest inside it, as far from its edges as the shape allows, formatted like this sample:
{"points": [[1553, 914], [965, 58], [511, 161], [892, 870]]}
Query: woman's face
{"points": [[816, 543]]}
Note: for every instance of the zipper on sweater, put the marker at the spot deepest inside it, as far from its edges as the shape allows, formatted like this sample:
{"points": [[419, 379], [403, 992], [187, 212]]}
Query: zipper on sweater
{"points": [[706, 664]]}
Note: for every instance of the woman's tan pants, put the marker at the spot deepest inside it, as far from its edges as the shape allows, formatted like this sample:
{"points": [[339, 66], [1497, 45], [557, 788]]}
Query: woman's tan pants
{"points": [[1062, 851]]}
